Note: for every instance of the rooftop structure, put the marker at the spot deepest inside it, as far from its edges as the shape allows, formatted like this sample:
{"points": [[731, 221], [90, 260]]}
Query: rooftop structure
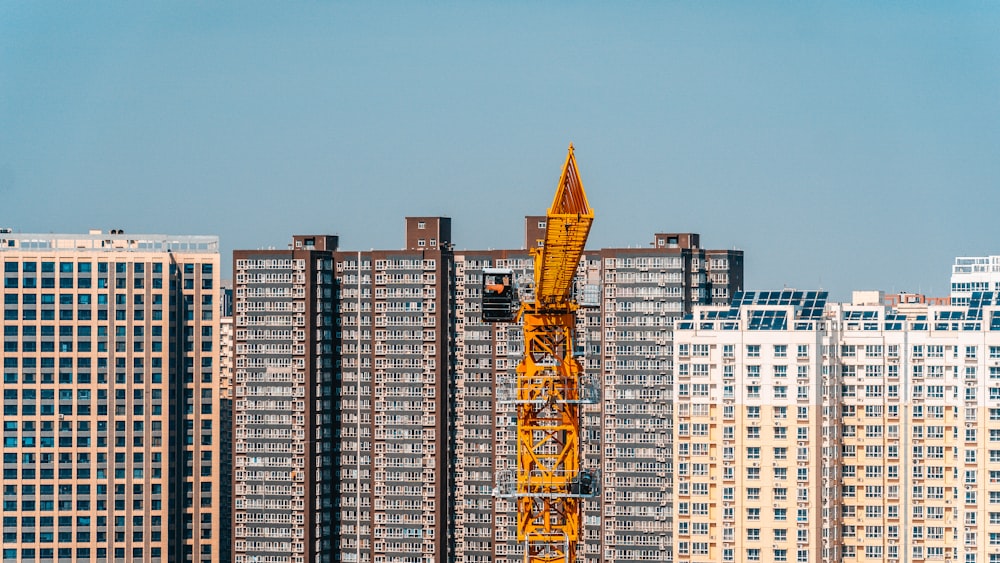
{"points": [[974, 273]]}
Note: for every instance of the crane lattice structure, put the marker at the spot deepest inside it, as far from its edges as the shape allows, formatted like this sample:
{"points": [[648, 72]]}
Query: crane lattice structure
{"points": [[549, 483]]}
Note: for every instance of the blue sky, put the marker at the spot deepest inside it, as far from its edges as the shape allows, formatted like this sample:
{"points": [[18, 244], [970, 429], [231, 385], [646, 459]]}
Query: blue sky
{"points": [[842, 145]]}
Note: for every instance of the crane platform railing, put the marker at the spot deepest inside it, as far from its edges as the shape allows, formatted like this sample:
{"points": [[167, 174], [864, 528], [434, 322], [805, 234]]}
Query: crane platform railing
{"points": [[548, 387], [579, 484]]}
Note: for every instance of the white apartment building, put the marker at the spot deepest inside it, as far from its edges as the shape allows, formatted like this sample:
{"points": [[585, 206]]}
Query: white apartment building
{"points": [[973, 273], [808, 431]]}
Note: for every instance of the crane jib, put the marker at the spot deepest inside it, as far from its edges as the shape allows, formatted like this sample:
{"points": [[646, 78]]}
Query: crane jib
{"points": [[565, 238], [567, 226]]}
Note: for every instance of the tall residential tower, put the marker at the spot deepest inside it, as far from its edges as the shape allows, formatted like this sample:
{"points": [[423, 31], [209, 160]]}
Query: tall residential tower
{"points": [[111, 405], [283, 413]]}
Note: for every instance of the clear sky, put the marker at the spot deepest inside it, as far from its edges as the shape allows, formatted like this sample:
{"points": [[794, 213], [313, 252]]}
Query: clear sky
{"points": [[842, 145]]}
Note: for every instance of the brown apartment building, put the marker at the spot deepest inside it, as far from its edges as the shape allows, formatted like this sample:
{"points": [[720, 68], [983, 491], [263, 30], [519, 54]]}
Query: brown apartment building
{"points": [[341, 381], [111, 415], [283, 334], [416, 432], [393, 395], [632, 298]]}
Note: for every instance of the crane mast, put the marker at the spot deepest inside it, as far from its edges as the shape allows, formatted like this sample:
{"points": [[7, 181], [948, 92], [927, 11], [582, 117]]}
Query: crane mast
{"points": [[549, 483]]}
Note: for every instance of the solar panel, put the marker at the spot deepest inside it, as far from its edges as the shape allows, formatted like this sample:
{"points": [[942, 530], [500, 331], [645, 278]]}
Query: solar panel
{"points": [[979, 300], [767, 320], [949, 315], [995, 320]]}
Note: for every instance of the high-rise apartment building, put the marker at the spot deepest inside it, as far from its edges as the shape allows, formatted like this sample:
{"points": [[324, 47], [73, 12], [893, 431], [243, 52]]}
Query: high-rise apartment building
{"points": [[754, 431], [813, 431], [393, 390], [341, 395], [629, 345], [631, 297], [111, 405], [283, 412], [420, 422]]}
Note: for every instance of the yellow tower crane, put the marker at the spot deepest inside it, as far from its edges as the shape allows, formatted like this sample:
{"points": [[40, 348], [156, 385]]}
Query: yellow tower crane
{"points": [[549, 483]]}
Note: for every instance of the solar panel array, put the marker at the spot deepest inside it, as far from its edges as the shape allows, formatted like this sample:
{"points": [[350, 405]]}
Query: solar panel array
{"points": [[810, 304], [860, 315], [767, 320], [979, 300], [950, 315], [894, 321]]}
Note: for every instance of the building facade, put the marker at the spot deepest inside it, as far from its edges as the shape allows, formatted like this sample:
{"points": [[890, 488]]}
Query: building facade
{"points": [[847, 432], [419, 426], [284, 472], [913, 303], [632, 298], [393, 393], [111, 404], [973, 274]]}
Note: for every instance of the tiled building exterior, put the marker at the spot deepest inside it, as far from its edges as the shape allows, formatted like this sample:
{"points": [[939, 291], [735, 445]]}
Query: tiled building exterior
{"points": [[111, 405], [808, 431], [393, 389], [284, 476]]}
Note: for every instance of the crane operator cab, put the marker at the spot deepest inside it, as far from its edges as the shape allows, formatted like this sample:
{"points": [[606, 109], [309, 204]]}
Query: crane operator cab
{"points": [[500, 303]]}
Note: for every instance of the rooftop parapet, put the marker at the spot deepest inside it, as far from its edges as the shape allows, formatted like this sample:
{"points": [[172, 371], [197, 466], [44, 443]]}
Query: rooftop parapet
{"points": [[115, 241]]}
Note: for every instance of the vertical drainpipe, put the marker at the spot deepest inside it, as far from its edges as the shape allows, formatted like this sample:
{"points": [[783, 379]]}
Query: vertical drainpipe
{"points": [[357, 407]]}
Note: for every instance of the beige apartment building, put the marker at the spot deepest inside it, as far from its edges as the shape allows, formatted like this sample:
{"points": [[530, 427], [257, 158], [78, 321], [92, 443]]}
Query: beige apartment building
{"points": [[111, 403], [812, 431]]}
